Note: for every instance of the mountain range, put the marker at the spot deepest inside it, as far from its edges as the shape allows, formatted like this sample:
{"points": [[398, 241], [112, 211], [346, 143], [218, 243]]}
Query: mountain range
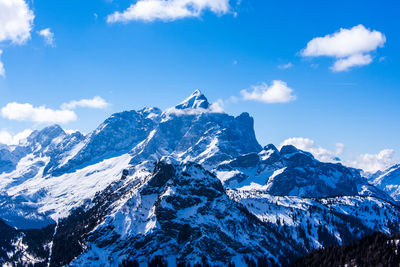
{"points": [[187, 185]]}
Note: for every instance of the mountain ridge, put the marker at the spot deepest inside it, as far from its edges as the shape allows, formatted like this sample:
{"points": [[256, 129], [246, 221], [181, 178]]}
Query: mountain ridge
{"points": [[181, 179]]}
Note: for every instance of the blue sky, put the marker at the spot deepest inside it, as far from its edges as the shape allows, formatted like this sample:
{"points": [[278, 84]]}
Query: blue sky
{"points": [[144, 60]]}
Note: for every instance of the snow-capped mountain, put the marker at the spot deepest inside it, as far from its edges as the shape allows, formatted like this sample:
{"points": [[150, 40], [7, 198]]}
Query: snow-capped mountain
{"points": [[180, 210], [388, 181], [114, 137], [192, 131], [54, 171], [190, 184], [292, 172]]}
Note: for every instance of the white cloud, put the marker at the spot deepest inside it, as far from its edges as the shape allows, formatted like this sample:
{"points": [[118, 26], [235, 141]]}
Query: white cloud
{"points": [[374, 162], [47, 35], [2, 70], [9, 139], [344, 64], [278, 92], [16, 20], [233, 99], [350, 47], [320, 153], [168, 10], [95, 102], [346, 42], [42, 114], [217, 107], [286, 66], [339, 148], [27, 112]]}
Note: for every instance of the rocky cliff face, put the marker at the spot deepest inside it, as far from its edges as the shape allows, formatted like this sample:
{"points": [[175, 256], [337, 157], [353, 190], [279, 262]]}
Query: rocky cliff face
{"points": [[182, 210]]}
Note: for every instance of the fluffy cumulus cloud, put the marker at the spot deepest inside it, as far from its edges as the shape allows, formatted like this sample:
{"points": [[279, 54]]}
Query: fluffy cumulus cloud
{"points": [[277, 92], [374, 162], [350, 47], [318, 152], [16, 21], [42, 114], [168, 10], [9, 139], [95, 102], [47, 35], [218, 106]]}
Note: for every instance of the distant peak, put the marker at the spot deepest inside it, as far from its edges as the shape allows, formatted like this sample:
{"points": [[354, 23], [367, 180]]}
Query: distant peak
{"points": [[47, 134], [197, 92], [270, 147], [290, 150], [52, 130], [195, 100]]}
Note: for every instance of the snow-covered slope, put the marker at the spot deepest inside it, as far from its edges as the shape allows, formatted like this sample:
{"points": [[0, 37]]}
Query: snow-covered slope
{"points": [[190, 183], [292, 172], [114, 137], [53, 172], [180, 210], [317, 222], [389, 181]]}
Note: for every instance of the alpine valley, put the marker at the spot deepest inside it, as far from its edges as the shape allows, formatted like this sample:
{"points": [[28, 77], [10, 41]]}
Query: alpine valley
{"points": [[188, 185]]}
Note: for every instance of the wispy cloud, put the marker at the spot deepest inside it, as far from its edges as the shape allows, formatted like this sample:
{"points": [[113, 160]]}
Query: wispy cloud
{"points": [[168, 10], [48, 36], [285, 66], [2, 70], [374, 162], [42, 114], [350, 47], [277, 92], [95, 102]]}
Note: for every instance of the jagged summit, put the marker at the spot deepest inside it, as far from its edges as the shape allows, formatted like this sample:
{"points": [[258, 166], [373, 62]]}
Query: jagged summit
{"points": [[194, 101], [46, 134], [49, 134]]}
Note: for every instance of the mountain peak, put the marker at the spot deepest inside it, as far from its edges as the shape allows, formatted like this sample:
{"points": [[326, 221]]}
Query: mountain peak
{"points": [[194, 101], [196, 92], [46, 134]]}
